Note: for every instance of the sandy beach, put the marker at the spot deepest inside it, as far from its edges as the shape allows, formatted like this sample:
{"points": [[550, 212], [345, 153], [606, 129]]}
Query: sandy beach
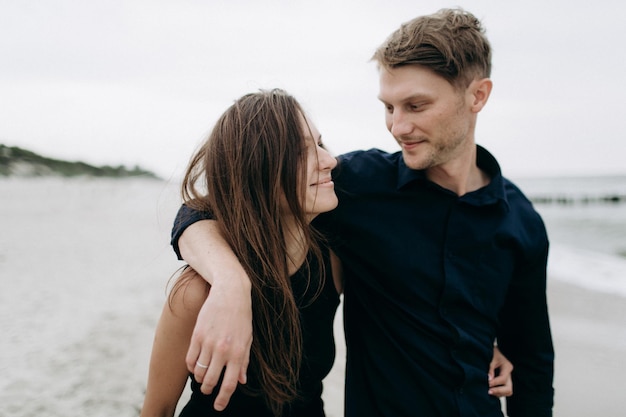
{"points": [[83, 268], [589, 331]]}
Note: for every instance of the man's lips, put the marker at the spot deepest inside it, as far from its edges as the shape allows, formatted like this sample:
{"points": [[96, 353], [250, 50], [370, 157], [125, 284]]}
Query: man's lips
{"points": [[411, 144]]}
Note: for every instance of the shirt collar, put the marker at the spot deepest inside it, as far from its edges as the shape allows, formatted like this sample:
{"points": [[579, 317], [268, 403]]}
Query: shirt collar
{"points": [[492, 193]]}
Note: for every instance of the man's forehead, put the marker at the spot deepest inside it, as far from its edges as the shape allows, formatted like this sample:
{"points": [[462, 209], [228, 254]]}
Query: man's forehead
{"points": [[410, 83]]}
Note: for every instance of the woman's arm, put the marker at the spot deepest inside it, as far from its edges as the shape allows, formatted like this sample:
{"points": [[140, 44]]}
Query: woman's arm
{"points": [[223, 333], [168, 373]]}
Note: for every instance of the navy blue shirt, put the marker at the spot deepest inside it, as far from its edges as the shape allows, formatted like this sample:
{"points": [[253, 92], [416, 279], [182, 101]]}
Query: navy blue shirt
{"points": [[431, 281]]}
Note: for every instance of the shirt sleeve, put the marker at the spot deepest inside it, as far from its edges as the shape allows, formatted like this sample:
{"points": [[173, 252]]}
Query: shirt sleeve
{"points": [[185, 217], [525, 339]]}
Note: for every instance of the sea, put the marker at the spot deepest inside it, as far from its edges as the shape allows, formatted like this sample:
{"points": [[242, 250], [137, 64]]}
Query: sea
{"points": [[85, 263], [586, 222]]}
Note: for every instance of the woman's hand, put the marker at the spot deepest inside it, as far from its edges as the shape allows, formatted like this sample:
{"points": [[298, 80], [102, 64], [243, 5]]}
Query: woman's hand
{"points": [[500, 369]]}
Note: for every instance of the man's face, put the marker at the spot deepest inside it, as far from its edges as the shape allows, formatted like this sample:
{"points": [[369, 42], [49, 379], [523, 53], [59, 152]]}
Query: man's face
{"points": [[428, 117]]}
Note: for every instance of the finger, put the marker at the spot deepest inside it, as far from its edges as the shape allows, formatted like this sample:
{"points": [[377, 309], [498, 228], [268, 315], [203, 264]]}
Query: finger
{"points": [[498, 381], [501, 391], [493, 365], [211, 376], [243, 370], [200, 369], [193, 353], [227, 387], [495, 392], [501, 386], [202, 362]]}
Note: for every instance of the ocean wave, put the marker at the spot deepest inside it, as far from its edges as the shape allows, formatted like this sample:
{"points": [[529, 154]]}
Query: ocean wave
{"points": [[588, 269]]}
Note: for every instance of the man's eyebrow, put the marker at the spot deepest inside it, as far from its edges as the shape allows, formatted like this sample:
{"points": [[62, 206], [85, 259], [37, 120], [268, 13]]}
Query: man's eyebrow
{"points": [[412, 97]]}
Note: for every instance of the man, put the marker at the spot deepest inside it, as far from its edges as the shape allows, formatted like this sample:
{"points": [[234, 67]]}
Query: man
{"points": [[441, 255]]}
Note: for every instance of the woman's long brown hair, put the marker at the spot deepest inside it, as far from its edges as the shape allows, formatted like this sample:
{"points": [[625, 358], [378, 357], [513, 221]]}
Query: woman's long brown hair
{"points": [[254, 158]]}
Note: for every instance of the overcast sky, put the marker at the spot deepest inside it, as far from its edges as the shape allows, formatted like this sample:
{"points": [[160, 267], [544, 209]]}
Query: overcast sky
{"points": [[141, 81]]}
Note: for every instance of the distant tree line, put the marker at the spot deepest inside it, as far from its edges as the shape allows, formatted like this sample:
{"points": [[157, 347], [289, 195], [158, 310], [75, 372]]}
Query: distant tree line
{"points": [[16, 161]]}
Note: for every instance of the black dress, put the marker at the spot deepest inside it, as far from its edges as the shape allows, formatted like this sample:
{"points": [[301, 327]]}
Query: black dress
{"points": [[316, 319]]}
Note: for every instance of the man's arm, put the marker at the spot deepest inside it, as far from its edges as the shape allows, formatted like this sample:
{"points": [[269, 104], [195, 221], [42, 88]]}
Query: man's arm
{"points": [[222, 335], [525, 338]]}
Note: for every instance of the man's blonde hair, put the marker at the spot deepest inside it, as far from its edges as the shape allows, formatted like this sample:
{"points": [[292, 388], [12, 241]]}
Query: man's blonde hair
{"points": [[451, 42]]}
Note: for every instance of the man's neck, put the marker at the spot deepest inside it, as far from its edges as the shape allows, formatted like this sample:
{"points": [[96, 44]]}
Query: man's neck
{"points": [[460, 175]]}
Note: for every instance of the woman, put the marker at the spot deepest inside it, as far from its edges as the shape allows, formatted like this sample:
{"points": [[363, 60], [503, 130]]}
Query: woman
{"points": [[264, 174]]}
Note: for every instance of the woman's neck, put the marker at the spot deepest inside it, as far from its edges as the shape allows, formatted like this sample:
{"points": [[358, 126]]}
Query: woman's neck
{"points": [[297, 248]]}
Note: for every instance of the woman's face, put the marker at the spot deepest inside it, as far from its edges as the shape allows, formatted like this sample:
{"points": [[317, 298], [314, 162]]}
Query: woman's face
{"points": [[320, 191]]}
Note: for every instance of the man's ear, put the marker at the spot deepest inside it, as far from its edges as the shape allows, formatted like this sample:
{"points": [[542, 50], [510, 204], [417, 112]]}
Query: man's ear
{"points": [[479, 91]]}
